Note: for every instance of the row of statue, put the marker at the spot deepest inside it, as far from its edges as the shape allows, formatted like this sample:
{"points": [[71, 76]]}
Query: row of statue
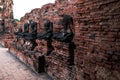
{"points": [[30, 32]]}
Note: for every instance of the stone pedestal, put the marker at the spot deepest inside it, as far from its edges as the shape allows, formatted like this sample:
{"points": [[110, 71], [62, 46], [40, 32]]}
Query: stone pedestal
{"points": [[60, 64]]}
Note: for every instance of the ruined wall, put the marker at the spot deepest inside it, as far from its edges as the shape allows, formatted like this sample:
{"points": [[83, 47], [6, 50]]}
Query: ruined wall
{"points": [[97, 39], [8, 23], [8, 9], [1, 8]]}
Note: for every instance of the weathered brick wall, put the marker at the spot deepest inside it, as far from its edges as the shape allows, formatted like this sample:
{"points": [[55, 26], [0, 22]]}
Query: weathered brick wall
{"points": [[6, 13], [97, 39]]}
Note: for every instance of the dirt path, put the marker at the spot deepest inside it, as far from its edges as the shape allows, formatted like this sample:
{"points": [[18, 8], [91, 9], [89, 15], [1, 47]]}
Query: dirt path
{"points": [[13, 69]]}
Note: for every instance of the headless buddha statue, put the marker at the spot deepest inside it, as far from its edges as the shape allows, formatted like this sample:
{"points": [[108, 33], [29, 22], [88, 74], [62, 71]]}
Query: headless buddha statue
{"points": [[30, 33], [47, 35], [48, 30], [67, 34]]}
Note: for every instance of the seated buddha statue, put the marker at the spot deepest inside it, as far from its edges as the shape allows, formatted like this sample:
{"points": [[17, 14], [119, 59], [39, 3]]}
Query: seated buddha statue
{"points": [[47, 35], [67, 34], [48, 31]]}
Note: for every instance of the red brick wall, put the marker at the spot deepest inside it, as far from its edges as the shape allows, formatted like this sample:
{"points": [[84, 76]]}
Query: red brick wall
{"points": [[97, 39]]}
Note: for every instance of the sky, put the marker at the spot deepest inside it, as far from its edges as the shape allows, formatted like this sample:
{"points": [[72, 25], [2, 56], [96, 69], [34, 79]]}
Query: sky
{"points": [[21, 7]]}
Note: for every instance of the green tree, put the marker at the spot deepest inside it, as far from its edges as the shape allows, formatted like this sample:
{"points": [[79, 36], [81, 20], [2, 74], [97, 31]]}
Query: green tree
{"points": [[17, 20]]}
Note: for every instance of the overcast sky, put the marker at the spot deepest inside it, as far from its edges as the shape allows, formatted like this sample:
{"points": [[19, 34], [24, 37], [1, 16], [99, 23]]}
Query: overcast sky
{"points": [[23, 6]]}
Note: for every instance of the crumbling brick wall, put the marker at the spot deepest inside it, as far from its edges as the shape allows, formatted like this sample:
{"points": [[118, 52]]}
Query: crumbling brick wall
{"points": [[97, 39]]}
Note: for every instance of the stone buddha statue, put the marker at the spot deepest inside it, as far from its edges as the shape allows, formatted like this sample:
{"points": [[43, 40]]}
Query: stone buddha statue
{"points": [[19, 32], [48, 31], [30, 34], [47, 35], [3, 26], [26, 29], [30, 30], [67, 34]]}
